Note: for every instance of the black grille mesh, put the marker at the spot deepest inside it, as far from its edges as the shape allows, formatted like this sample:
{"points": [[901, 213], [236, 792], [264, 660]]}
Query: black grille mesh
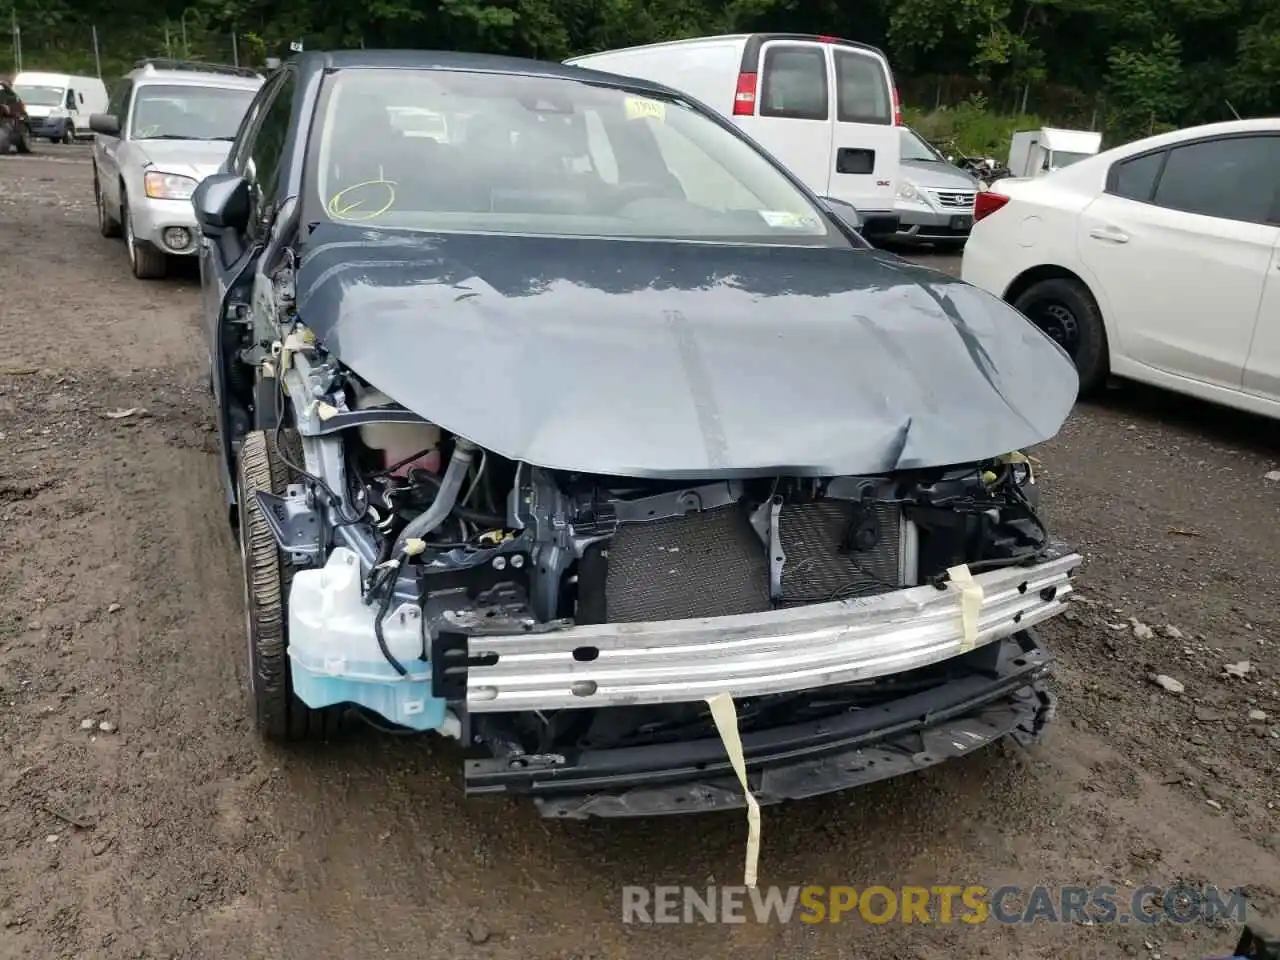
{"points": [[708, 564], [819, 569], [712, 564]]}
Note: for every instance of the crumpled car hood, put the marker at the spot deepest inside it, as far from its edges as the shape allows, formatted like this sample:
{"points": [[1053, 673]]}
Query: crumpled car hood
{"points": [[681, 360], [189, 158]]}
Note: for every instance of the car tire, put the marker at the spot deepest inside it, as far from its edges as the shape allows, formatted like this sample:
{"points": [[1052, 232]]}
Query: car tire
{"points": [[106, 225], [277, 712], [68, 133], [1066, 311], [146, 261]]}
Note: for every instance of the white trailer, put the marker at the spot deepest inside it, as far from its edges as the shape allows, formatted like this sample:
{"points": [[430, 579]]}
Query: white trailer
{"points": [[1034, 153]]}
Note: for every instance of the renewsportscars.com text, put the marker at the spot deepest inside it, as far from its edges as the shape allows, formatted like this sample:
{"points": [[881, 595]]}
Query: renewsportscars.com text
{"points": [[941, 904]]}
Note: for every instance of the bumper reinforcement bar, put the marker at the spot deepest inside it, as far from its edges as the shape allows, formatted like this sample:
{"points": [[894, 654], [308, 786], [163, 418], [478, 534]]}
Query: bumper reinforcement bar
{"points": [[779, 651]]}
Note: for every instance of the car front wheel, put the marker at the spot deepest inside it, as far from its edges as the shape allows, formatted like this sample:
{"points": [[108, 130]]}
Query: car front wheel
{"points": [[107, 225], [146, 261], [278, 714], [1065, 309]]}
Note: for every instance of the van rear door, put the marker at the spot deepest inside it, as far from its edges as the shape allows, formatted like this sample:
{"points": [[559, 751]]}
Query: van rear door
{"points": [[785, 102], [866, 149]]}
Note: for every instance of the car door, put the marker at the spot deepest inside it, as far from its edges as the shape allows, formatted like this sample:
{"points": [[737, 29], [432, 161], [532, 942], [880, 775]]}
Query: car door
{"points": [[793, 108], [221, 258], [106, 149], [866, 150], [255, 155], [1262, 371], [1181, 242]]}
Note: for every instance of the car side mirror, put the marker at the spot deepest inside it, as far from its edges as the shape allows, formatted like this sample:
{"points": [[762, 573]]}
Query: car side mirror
{"points": [[105, 124], [881, 225], [221, 203]]}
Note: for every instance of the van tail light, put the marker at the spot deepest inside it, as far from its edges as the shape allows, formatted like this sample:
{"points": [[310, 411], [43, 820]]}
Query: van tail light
{"points": [[987, 203], [744, 99], [897, 108]]}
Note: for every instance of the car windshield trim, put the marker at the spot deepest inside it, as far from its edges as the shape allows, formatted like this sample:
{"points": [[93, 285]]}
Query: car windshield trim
{"points": [[547, 156]]}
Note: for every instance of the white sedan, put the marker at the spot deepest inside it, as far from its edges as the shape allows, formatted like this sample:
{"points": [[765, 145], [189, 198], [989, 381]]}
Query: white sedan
{"points": [[1156, 261]]}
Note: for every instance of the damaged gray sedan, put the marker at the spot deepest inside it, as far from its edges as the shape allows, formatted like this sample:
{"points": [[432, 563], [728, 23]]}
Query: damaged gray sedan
{"points": [[545, 430]]}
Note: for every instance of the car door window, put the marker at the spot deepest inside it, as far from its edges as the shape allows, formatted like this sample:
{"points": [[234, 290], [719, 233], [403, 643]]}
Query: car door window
{"points": [[862, 93], [1234, 178], [1135, 179], [265, 148], [119, 104], [239, 154], [795, 83], [119, 99]]}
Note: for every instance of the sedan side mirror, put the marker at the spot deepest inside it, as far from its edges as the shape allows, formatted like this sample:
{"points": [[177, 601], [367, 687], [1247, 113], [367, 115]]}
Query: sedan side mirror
{"points": [[882, 225], [105, 124], [221, 203]]}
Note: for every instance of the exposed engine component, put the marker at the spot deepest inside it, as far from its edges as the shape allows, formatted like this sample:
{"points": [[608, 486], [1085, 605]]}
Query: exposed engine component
{"points": [[430, 537]]}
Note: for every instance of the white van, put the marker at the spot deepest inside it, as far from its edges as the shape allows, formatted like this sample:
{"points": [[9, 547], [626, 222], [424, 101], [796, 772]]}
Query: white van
{"points": [[59, 104], [778, 88]]}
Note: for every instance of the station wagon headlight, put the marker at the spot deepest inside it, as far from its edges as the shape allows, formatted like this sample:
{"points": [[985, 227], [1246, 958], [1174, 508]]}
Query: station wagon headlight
{"points": [[908, 192], [168, 186]]}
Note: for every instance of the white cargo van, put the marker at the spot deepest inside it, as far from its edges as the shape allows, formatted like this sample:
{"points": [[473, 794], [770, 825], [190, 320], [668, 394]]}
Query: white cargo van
{"points": [[59, 104], [827, 108]]}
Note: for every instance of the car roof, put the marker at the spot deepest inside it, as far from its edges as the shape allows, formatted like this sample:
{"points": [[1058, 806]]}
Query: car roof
{"points": [[452, 60], [190, 78], [194, 73]]}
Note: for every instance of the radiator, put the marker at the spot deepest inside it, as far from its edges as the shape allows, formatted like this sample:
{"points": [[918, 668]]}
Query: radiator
{"points": [[713, 564]]}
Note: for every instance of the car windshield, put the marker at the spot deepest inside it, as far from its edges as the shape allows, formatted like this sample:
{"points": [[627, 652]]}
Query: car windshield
{"points": [[914, 147], [39, 95], [545, 156], [188, 112]]}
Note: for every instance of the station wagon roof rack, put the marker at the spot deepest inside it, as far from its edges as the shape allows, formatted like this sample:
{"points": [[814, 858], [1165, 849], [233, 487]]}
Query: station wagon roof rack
{"points": [[196, 66]]}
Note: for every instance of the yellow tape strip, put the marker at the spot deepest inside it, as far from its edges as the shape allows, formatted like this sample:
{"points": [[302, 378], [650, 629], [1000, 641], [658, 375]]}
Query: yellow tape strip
{"points": [[725, 714], [971, 597]]}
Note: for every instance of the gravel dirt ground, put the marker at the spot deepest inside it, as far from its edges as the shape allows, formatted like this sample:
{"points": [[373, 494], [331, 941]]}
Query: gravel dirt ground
{"points": [[141, 818]]}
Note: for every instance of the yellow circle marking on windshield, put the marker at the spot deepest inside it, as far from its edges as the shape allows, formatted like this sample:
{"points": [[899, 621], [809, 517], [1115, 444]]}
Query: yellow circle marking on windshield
{"points": [[342, 207], [639, 108]]}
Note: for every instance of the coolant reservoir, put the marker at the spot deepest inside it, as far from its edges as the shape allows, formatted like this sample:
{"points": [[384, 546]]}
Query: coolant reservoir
{"points": [[399, 440]]}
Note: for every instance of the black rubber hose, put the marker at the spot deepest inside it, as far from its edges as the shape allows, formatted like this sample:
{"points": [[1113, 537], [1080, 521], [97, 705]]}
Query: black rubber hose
{"points": [[378, 617]]}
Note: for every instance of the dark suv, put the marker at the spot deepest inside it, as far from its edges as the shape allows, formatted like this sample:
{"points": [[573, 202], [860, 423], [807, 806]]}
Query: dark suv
{"points": [[15, 130]]}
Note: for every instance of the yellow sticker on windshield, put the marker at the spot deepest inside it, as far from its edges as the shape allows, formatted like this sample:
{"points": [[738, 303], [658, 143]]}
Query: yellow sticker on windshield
{"points": [[638, 108]]}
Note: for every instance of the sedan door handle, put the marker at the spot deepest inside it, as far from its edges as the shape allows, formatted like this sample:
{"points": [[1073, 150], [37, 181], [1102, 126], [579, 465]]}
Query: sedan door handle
{"points": [[1110, 234]]}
